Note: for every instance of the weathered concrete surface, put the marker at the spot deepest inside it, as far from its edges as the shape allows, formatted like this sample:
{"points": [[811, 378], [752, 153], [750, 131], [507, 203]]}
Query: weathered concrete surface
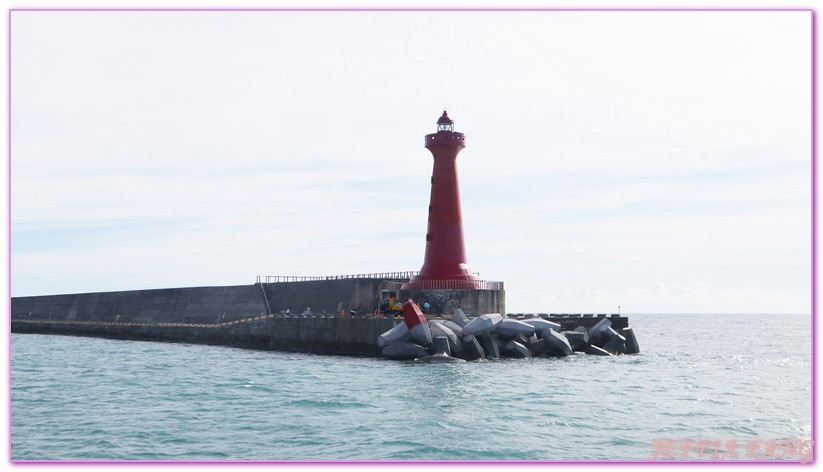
{"points": [[510, 329], [455, 345], [459, 317], [615, 345], [400, 333], [516, 349], [597, 351], [540, 324], [631, 341], [329, 296], [571, 322], [472, 347], [239, 316], [577, 339], [454, 327], [315, 334], [227, 315], [556, 343], [329, 335], [473, 302], [482, 325], [174, 305], [440, 345], [404, 351], [249, 334], [207, 304], [489, 345]]}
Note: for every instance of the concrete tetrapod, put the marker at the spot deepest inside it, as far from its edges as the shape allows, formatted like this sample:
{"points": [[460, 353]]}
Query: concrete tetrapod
{"points": [[456, 328], [489, 345], [440, 346], [422, 334], [455, 346], [616, 344], [598, 334], [597, 351], [501, 338], [516, 349], [556, 343], [397, 334], [541, 324], [416, 322], [537, 348], [631, 341], [510, 329], [483, 324], [472, 348], [404, 351], [459, 318], [577, 339], [527, 340]]}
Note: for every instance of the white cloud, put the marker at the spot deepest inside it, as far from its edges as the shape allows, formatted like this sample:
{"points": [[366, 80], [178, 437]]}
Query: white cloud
{"points": [[606, 150]]}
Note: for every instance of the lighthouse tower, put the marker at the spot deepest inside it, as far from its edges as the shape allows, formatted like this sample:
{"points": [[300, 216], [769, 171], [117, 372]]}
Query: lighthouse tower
{"points": [[445, 265]]}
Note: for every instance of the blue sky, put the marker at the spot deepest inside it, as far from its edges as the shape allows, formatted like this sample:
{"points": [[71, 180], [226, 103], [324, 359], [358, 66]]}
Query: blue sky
{"points": [[656, 161]]}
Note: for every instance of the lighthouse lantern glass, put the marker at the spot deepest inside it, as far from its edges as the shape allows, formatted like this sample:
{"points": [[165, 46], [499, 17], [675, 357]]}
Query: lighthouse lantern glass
{"points": [[447, 126]]}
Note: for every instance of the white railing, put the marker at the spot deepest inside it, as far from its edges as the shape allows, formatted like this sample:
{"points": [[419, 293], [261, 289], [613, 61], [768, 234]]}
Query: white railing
{"points": [[407, 275], [269, 279], [453, 285]]}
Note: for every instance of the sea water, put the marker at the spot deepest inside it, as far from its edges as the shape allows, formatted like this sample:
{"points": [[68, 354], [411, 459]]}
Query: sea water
{"points": [[742, 382]]}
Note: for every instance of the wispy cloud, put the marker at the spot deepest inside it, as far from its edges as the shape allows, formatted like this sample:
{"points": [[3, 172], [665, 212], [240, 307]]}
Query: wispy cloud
{"points": [[606, 151]]}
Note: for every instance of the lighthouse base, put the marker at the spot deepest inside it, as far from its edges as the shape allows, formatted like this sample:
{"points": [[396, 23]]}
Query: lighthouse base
{"points": [[472, 301]]}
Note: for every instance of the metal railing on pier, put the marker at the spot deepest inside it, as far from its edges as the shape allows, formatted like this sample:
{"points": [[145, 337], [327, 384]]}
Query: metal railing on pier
{"points": [[269, 279], [406, 275], [453, 285]]}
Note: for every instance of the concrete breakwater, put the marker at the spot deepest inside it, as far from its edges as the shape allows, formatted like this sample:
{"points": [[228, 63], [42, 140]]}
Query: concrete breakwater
{"points": [[242, 315], [227, 303], [198, 305], [319, 334], [259, 316]]}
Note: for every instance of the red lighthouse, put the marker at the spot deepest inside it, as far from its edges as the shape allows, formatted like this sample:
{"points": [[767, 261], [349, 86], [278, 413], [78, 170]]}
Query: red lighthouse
{"points": [[445, 264]]}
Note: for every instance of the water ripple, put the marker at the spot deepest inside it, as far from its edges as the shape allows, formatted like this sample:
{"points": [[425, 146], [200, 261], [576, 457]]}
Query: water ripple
{"points": [[86, 398]]}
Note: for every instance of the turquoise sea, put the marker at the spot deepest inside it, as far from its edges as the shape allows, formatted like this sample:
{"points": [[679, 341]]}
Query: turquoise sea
{"points": [[705, 387]]}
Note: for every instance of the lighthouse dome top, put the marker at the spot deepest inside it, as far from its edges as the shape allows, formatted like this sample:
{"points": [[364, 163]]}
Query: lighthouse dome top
{"points": [[444, 123]]}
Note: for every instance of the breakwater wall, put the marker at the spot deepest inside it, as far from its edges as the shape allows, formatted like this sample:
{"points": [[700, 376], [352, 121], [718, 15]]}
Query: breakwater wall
{"points": [[242, 315], [250, 316], [470, 301], [193, 305], [319, 334], [199, 305]]}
